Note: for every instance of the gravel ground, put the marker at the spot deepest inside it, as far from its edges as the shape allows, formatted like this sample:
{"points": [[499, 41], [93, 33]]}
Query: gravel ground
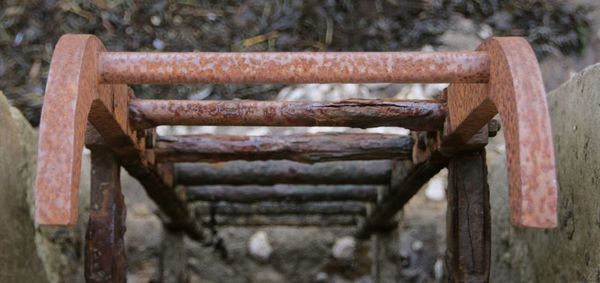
{"points": [[30, 28]]}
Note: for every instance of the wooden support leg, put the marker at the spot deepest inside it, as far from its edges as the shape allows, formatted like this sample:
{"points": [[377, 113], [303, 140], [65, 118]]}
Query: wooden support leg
{"points": [[173, 258], [104, 245], [468, 218]]}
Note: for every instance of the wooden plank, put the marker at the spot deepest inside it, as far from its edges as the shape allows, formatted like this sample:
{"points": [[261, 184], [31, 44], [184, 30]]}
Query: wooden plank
{"points": [[372, 172], [468, 218], [308, 148], [104, 242], [297, 193], [283, 208], [418, 115]]}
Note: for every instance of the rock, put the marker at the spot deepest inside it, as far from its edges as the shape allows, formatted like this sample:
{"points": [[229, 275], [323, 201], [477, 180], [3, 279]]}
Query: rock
{"points": [[417, 246], [436, 189], [321, 277], [259, 246], [19, 259], [344, 248]]}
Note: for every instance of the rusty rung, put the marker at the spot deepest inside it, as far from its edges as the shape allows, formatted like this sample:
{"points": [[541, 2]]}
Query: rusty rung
{"points": [[283, 208], [309, 148], [373, 172], [297, 193], [293, 67], [421, 115], [286, 220]]}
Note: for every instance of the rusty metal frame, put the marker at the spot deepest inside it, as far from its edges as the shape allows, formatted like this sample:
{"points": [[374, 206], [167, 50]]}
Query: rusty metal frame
{"points": [[87, 84]]}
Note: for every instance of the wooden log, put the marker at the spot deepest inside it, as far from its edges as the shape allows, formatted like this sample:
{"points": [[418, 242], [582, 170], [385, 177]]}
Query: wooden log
{"points": [[157, 181], [298, 193], [283, 208], [399, 195], [173, 259], [104, 241], [468, 219], [308, 148], [370, 172], [418, 115], [287, 220]]}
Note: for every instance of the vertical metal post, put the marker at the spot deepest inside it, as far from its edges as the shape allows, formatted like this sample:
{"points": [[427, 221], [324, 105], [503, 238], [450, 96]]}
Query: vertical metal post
{"points": [[468, 218], [104, 245]]}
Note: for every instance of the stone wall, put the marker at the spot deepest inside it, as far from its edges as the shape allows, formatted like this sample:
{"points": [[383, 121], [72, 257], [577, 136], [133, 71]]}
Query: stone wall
{"points": [[571, 252], [19, 261]]}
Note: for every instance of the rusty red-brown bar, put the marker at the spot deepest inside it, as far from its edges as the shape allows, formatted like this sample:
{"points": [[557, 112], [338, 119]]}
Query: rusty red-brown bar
{"points": [[293, 67], [421, 115]]}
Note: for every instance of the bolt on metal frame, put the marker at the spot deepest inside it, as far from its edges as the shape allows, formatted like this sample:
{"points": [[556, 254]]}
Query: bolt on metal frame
{"points": [[88, 102]]}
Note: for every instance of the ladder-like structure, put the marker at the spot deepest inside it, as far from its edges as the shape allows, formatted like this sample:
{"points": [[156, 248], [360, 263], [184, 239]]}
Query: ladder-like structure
{"points": [[318, 179]]}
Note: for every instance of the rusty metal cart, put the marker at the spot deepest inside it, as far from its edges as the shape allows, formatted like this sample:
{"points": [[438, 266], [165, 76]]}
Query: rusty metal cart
{"points": [[88, 102]]}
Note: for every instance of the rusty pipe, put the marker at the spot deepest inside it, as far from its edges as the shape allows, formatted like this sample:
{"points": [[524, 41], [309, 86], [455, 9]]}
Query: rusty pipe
{"points": [[293, 67], [420, 115]]}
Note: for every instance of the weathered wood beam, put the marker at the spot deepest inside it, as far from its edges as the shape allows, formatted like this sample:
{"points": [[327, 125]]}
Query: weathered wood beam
{"points": [[286, 220], [157, 180], [399, 194], [370, 172], [468, 218], [309, 148], [279, 208], [418, 115], [105, 259], [298, 193]]}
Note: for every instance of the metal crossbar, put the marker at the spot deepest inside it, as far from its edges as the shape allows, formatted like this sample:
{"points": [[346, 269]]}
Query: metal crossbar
{"points": [[284, 180]]}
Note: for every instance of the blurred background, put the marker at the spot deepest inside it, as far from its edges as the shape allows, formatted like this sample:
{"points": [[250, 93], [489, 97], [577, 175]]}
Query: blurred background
{"points": [[564, 34]]}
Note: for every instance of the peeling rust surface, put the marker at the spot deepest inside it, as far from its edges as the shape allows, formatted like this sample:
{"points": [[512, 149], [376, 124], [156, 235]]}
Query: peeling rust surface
{"points": [[516, 92], [421, 115], [70, 92], [308, 148], [293, 67]]}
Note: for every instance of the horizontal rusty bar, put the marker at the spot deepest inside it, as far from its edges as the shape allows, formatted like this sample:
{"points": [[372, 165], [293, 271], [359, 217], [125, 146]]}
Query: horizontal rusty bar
{"points": [[297, 193], [308, 148], [285, 220], [293, 67], [283, 208], [372, 172], [420, 115]]}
